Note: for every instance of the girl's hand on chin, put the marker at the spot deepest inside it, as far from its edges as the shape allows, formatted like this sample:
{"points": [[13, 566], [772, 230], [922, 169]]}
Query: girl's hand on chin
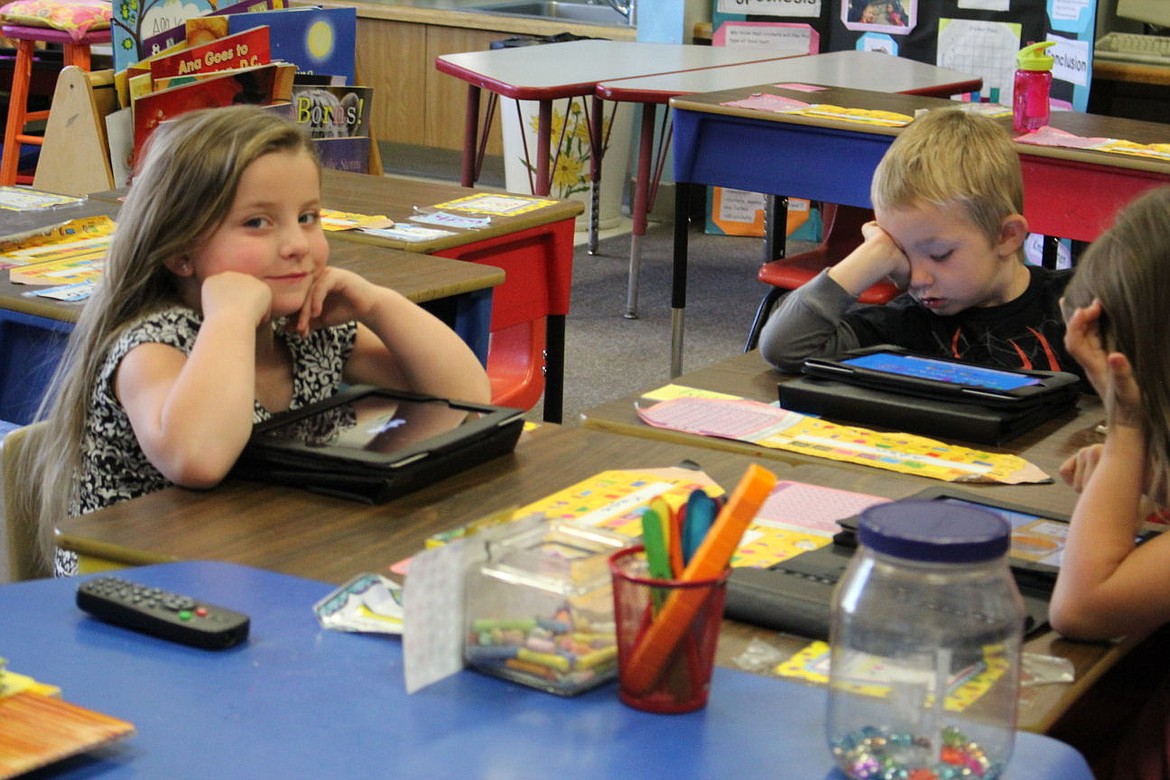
{"points": [[336, 296], [233, 293]]}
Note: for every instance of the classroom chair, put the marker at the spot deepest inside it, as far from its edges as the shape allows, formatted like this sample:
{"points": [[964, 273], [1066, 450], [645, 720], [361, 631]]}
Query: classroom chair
{"points": [[841, 235], [24, 562], [76, 52]]}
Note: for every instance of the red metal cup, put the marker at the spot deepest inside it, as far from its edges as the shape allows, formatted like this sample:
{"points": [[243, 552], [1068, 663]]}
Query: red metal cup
{"points": [[683, 680]]}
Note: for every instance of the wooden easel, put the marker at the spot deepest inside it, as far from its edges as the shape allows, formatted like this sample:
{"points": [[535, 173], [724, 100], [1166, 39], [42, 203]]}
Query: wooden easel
{"points": [[75, 157]]}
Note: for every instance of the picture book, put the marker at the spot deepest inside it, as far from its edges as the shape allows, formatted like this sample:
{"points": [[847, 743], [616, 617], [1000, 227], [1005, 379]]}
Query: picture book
{"points": [[316, 40], [23, 199], [344, 154], [181, 33], [134, 22], [242, 50], [332, 112], [260, 85], [77, 264], [35, 246]]}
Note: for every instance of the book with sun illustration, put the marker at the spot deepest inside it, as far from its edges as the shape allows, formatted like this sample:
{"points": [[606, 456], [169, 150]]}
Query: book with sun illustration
{"points": [[317, 40]]}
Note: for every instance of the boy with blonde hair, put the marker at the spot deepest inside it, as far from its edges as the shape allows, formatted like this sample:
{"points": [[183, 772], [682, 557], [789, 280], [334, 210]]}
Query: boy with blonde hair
{"points": [[948, 199]]}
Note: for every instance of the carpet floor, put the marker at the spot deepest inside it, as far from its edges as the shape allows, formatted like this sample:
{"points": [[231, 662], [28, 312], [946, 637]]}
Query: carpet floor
{"points": [[608, 356]]}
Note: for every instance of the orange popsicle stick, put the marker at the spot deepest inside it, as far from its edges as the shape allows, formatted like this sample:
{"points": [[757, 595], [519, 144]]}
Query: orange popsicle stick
{"points": [[709, 561]]}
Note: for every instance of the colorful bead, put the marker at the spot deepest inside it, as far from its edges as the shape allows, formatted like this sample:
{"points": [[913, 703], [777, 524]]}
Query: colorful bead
{"points": [[872, 754]]}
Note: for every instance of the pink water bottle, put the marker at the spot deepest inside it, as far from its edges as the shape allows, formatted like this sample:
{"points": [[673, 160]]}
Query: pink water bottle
{"points": [[1032, 85]]}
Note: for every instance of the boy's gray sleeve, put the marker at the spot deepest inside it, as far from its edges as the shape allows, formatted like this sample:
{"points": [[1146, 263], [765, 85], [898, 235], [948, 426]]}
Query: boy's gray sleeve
{"points": [[808, 323]]}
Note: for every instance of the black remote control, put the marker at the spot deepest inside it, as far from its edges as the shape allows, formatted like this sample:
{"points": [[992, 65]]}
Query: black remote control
{"points": [[167, 615]]}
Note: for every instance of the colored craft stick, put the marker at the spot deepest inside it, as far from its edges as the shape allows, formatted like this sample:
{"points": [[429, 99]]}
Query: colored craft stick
{"points": [[661, 638], [669, 533], [677, 561], [654, 540], [701, 511]]}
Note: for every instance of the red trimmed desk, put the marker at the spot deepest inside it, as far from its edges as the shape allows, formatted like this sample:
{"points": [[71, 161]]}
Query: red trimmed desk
{"points": [[535, 251], [33, 330], [1070, 193], [856, 69], [299, 701], [565, 70]]}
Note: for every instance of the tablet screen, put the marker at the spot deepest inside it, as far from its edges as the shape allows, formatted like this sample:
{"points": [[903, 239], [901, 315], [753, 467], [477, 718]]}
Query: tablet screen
{"points": [[941, 371], [1034, 539], [373, 423]]}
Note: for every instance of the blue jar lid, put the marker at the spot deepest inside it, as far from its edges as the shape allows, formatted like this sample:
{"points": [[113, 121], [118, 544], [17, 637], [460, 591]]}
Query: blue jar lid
{"points": [[934, 531]]}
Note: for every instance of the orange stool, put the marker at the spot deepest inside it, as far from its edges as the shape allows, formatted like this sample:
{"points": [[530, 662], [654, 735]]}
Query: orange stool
{"points": [[76, 53]]}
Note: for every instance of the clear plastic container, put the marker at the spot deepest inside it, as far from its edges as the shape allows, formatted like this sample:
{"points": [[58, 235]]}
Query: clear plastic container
{"points": [[539, 610], [926, 634]]}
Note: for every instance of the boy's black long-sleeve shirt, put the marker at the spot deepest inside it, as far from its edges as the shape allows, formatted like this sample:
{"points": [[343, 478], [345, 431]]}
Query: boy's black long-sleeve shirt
{"points": [[820, 319]]}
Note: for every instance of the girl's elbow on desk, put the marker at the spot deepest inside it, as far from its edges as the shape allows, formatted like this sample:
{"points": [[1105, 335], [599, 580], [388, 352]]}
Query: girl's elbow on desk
{"points": [[198, 469], [1082, 618]]}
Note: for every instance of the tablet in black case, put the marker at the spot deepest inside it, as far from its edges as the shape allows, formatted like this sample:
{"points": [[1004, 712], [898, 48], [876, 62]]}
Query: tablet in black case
{"points": [[796, 595], [933, 417], [372, 444], [895, 370]]}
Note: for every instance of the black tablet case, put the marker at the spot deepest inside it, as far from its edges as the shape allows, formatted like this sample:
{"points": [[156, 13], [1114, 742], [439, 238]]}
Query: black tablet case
{"points": [[796, 595], [839, 401], [325, 471]]}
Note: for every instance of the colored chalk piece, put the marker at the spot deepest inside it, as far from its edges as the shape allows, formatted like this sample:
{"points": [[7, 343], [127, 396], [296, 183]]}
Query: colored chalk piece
{"points": [[539, 610]]}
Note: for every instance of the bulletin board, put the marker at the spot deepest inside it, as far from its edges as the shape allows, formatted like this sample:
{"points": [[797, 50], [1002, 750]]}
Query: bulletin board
{"points": [[974, 36]]}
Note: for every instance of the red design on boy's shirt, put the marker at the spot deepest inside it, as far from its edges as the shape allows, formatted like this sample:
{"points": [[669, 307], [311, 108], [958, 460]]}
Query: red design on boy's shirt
{"points": [[1025, 360]]}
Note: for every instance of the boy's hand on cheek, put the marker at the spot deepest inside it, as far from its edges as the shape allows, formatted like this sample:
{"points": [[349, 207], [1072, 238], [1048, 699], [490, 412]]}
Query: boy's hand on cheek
{"points": [[887, 251], [877, 259], [236, 293]]}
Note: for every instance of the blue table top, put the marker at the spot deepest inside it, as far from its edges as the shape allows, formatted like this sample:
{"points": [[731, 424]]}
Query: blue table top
{"points": [[299, 701]]}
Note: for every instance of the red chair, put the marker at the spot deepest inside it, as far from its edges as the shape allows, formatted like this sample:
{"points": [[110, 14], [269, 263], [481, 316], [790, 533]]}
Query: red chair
{"points": [[842, 234], [76, 53]]}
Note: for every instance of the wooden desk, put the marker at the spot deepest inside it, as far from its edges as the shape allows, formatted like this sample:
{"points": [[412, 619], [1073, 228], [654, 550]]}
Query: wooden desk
{"points": [[564, 70], [535, 251], [857, 69], [749, 376], [330, 539], [419, 278], [1069, 193], [300, 533], [398, 196]]}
